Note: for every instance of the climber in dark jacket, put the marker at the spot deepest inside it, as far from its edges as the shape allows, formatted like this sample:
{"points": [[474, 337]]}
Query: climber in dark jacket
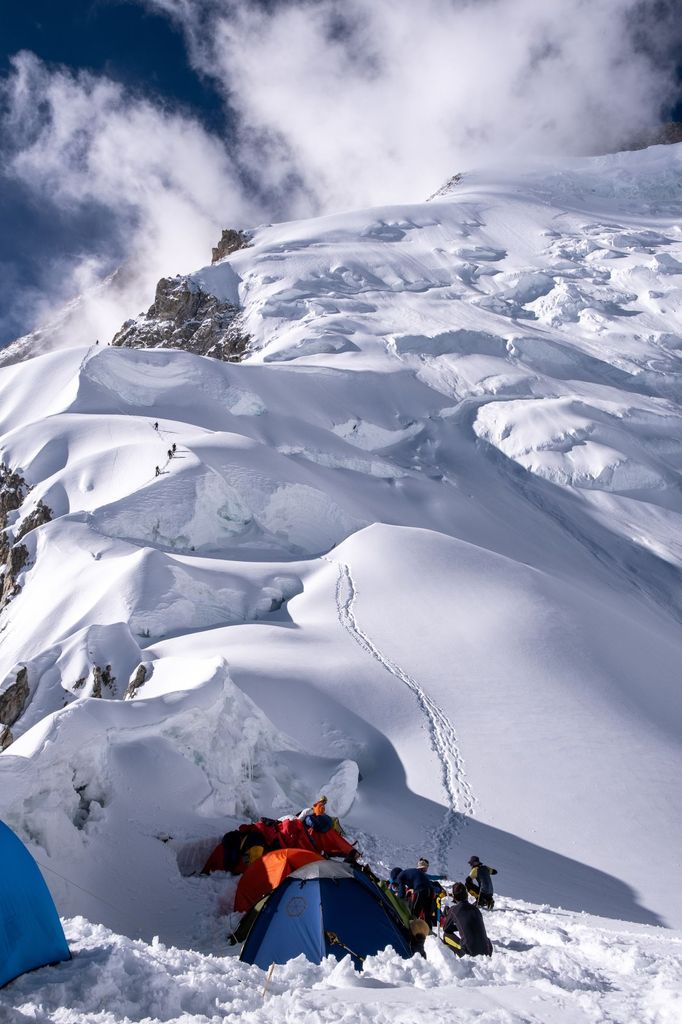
{"points": [[463, 924], [479, 883], [422, 885], [393, 880]]}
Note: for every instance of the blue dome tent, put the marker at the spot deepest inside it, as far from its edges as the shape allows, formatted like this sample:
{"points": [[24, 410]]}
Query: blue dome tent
{"points": [[320, 909], [31, 933]]}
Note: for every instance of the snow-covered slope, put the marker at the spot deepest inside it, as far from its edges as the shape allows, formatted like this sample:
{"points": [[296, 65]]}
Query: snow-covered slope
{"points": [[421, 548], [549, 967]]}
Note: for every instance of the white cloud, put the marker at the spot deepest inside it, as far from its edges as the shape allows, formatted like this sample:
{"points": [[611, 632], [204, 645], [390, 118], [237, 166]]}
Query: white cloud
{"points": [[367, 101], [79, 142]]}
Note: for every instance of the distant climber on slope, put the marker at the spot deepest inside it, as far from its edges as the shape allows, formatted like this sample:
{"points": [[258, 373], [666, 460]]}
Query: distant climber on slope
{"points": [[463, 928], [479, 883]]}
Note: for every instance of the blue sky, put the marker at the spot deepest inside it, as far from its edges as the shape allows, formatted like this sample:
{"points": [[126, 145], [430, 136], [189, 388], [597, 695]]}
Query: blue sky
{"points": [[142, 48], [133, 130], [139, 48]]}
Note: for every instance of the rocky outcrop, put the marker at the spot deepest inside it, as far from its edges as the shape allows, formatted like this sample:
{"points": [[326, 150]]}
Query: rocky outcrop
{"points": [[41, 514], [447, 188], [13, 554], [14, 561], [186, 317], [13, 491], [103, 678], [136, 681], [230, 241], [12, 704]]}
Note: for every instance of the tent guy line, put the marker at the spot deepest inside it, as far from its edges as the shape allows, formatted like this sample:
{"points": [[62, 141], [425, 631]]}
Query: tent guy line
{"points": [[70, 881]]}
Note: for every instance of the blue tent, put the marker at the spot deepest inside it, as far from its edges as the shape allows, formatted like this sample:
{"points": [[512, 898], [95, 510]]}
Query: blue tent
{"points": [[31, 933], [324, 908]]}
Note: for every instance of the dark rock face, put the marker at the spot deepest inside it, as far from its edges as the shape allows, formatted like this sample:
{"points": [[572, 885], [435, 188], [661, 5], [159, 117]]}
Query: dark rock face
{"points": [[14, 560], [136, 681], [13, 491], [14, 555], [230, 241], [102, 678], [186, 317], [447, 188], [41, 514], [12, 704]]}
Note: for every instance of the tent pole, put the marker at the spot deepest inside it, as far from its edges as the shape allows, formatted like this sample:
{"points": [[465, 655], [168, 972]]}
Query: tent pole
{"points": [[267, 981]]}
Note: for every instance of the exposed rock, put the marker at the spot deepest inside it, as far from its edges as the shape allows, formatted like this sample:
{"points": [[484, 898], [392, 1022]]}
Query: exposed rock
{"points": [[186, 317], [6, 737], [13, 555], [447, 188], [230, 241], [15, 560], [102, 678], [14, 699], [13, 490], [41, 514], [136, 681]]}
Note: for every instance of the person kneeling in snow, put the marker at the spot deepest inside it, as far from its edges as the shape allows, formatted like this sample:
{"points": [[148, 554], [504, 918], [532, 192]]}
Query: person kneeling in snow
{"points": [[463, 928]]}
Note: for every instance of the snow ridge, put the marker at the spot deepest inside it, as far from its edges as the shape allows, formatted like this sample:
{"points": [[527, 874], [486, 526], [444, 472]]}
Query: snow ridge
{"points": [[442, 735]]}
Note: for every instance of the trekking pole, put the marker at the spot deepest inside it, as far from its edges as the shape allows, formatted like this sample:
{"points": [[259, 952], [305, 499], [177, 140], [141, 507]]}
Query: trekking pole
{"points": [[334, 940], [267, 981]]}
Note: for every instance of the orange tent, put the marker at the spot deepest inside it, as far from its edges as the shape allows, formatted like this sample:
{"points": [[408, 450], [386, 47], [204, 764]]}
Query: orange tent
{"points": [[266, 873]]}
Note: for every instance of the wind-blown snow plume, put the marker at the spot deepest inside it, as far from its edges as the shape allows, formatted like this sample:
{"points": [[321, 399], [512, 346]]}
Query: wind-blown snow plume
{"points": [[370, 101], [330, 105]]}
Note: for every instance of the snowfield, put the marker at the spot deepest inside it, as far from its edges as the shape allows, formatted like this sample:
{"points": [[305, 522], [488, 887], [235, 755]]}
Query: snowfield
{"points": [[550, 967], [421, 551]]}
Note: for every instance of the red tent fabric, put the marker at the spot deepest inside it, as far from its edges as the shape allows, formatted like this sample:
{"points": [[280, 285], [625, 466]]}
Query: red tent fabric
{"points": [[292, 833], [332, 842], [266, 873]]}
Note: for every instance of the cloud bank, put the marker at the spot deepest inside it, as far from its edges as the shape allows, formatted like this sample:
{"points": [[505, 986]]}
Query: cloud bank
{"points": [[368, 101], [83, 146], [330, 104]]}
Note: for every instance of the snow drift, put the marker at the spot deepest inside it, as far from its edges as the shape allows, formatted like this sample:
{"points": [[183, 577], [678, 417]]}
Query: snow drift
{"points": [[420, 548]]}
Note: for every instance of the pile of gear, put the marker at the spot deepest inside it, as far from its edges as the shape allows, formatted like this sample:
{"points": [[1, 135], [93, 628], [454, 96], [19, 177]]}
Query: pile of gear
{"points": [[312, 829], [304, 890]]}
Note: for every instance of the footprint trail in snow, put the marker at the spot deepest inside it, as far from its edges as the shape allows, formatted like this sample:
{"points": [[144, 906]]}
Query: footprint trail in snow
{"points": [[459, 797]]}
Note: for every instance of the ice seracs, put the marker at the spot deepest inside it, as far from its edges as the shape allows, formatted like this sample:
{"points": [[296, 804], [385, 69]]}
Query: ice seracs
{"points": [[423, 540]]}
